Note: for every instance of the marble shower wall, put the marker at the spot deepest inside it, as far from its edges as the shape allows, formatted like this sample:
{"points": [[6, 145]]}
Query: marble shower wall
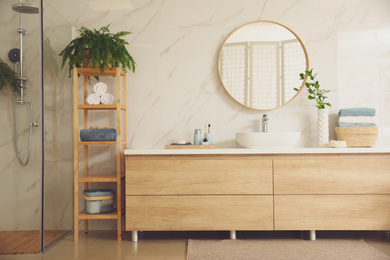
{"points": [[20, 186]]}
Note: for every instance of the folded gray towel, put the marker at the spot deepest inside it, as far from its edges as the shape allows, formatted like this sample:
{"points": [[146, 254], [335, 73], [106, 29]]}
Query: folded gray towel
{"points": [[355, 124], [108, 134], [357, 111]]}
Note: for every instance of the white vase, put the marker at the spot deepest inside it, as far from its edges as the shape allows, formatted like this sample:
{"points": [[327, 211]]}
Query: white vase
{"points": [[323, 127]]}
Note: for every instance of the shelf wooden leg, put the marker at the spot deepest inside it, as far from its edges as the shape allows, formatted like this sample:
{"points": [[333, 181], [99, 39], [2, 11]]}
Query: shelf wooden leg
{"points": [[76, 230], [86, 226]]}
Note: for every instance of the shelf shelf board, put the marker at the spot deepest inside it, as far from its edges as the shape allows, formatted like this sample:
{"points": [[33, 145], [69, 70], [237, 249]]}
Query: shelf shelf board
{"points": [[97, 143], [101, 142], [112, 215], [96, 72], [99, 178], [99, 107]]}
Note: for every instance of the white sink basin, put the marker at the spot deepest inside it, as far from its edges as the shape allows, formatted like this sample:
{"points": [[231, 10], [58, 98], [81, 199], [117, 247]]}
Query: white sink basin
{"points": [[268, 139]]}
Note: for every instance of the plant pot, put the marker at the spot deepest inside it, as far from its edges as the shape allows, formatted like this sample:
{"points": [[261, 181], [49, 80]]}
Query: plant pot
{"points": [[323, 127], [87, 62]]}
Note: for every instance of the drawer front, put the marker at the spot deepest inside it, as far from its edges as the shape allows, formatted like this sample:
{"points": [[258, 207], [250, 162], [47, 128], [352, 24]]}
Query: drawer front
{"points": [[184, 176], [248, 212], [332, 176], [332, 212]]}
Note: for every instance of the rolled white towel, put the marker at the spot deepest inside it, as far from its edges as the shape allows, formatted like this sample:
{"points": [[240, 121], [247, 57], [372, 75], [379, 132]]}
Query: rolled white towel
{"points": [[100, 88], [93, 99], [107, 99], [357, 119]]}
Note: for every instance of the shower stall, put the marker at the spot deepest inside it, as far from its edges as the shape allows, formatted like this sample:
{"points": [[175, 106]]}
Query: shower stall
{"points": [[36, 160]]}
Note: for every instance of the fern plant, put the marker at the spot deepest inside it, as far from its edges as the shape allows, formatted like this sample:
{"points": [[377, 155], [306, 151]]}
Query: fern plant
{"points": [[105, 49], [8, 77], [313, 88]]}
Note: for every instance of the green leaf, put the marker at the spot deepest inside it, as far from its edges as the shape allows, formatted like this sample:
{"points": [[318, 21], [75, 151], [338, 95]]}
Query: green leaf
{"points": [[314, 90]]}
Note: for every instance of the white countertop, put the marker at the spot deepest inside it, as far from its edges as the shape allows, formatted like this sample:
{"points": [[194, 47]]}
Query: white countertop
{"points": [[259, 151]]}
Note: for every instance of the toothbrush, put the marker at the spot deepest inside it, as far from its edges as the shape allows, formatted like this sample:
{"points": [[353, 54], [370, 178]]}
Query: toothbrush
{"points": [[209, 131]]}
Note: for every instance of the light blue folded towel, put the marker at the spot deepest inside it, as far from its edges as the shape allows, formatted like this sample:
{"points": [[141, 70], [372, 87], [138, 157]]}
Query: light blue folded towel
{"points": [[108, 134], [357, 111], [355, 124]]}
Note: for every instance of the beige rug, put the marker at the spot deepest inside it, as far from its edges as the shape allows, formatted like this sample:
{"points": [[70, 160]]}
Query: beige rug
{"points": [[276, 249]]}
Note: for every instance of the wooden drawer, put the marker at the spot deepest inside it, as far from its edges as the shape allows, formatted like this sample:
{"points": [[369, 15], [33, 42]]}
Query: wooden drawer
{"points": [[198, 176], [332, 212], [332, 176], [246, 212]]}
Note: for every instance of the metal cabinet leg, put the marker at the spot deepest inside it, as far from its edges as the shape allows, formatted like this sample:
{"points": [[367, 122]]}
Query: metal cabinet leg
{"points": [[134, 236], [312, 235], [232, 234]]}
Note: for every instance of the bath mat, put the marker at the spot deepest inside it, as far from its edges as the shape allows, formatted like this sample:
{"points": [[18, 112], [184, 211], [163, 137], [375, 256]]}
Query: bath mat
{"points": [[26, 242], [275, 249]]}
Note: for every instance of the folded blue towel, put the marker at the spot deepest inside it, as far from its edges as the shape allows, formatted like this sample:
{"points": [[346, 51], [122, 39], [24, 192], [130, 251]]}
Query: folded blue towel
{"points": [[108, 134], [357, 111], [355, 124]]}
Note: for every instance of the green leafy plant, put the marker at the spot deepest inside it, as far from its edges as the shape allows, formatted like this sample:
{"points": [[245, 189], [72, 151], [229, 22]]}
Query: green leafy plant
{"points": [[8, 77], [314, 90], [104, 49]]}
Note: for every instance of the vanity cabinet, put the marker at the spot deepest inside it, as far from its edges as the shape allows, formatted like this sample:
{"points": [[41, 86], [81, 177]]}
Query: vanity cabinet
{"points": [[296, 191], [198, 192], [332, 193]]}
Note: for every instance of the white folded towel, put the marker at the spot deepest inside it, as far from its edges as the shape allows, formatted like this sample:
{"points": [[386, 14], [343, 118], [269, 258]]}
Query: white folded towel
{"points": [[357, 119], [100, 88], [93, 99], [107, 99]]}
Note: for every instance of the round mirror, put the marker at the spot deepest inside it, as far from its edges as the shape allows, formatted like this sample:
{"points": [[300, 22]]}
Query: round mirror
{"points": [[259, 65]]}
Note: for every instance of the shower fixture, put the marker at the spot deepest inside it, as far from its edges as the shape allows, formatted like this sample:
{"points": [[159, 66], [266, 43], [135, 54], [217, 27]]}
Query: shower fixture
{"points": [[16, 57], [25, 8]]}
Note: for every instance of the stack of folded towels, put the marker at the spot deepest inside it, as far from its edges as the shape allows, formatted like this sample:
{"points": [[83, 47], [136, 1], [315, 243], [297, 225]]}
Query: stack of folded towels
{"points": [[359, 116], [100, 95]]}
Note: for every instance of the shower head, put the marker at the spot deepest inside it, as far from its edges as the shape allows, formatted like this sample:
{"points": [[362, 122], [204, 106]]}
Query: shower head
{"points": [[25, 8], [14, 55]]}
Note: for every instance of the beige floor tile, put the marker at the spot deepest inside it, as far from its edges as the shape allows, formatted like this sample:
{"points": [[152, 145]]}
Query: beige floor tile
{"points": [[102, 245]]}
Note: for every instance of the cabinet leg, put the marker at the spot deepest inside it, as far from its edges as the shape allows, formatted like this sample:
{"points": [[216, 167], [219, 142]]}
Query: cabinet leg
{"points": [[134, 236], [232, 234], [312, 235]]}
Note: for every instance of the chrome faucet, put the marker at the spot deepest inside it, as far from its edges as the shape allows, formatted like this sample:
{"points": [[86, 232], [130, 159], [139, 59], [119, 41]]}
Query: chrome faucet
{"points": [[264, 124]]}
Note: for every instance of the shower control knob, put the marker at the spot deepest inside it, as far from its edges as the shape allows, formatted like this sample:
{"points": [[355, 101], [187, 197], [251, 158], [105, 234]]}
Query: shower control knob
{"points": [[14, 55], [35, 124]]}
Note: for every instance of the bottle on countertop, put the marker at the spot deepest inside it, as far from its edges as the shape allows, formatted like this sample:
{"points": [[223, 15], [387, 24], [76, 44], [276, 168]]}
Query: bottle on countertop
{"points": [[198, 137]]}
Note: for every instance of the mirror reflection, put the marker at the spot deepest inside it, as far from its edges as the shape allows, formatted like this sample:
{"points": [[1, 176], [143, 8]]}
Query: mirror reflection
{"points": [[259, 65]]}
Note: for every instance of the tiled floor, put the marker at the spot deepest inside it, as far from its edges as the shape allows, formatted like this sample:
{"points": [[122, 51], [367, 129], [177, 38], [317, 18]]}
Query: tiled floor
{"points": [[99, 245]]}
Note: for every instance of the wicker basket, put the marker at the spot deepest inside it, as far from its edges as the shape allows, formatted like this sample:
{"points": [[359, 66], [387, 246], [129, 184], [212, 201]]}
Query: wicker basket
{"points": [[358, 136]]}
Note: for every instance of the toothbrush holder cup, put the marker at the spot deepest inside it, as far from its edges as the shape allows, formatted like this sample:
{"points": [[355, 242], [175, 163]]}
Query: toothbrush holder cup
{"points": [[209, 138]]}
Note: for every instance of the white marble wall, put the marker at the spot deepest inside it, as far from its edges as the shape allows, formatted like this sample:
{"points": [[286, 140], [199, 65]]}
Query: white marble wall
{"points": [[176, 43]]}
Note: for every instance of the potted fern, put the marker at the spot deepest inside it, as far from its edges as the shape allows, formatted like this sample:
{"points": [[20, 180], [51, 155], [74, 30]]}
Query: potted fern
{"points": [[98, 49], [8, 77], [319, 95]]}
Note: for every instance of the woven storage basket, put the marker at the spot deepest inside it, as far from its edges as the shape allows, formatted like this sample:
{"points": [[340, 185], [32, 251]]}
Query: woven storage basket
{"points": [[358, 136]]}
